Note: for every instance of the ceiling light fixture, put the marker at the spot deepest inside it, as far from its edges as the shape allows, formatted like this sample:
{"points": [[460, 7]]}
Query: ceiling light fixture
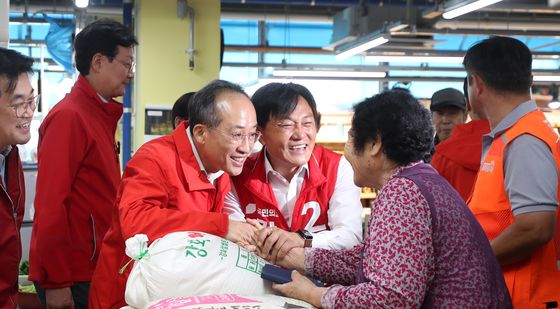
{"points": [[464, 9], [82, 3], [415, 59], [362, 45], [333, 74], [546, 78], [554, 104]]}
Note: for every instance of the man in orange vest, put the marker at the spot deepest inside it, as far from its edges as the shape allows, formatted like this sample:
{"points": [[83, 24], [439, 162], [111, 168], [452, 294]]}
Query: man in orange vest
{"points": [[515, 197]]}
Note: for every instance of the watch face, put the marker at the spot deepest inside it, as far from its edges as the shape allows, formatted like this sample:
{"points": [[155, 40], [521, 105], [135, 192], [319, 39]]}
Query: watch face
{"points": [[305, 234]]}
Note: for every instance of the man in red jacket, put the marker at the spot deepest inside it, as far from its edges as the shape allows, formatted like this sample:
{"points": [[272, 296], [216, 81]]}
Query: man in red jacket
{"points": [[449, 109], [17, 103], [79, 168], [457, 158], [178, 183], [304, 190]]}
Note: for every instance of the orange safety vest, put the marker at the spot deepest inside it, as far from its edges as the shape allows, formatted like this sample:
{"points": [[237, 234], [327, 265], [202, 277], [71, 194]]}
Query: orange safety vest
{"points": [[535, 282]]}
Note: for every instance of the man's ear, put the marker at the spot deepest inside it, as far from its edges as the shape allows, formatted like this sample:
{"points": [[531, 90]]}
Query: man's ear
{"points": [[477, 84], [97, 62], [261, 139], [200, 133]]}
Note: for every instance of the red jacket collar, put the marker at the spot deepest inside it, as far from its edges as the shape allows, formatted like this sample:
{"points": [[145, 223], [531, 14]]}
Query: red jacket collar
{"points": [[196, 179], [112, 108]]}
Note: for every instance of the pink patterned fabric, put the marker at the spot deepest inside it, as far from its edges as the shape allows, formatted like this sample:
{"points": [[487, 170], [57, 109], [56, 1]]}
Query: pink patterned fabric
{"points": [[408, 261]]}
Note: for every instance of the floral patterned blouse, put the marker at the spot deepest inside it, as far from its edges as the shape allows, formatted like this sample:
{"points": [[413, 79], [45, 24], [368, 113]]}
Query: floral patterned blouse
{"points": [[408, 261]]}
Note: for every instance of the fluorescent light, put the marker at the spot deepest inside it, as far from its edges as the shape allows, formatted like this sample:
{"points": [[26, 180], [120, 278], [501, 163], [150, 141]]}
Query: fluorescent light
{"points": [[82, 3], [342, 74], [554, 104], [546, 78], [362, 47], [420, 59], [468, 8]]}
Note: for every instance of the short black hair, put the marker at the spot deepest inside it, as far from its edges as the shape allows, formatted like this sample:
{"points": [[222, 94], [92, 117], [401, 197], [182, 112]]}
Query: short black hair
{"points": [[503, 63], [102, 36], [278, 100], [402, 123], [12, 65], [202, 107], [466, 89], [180, 108]]}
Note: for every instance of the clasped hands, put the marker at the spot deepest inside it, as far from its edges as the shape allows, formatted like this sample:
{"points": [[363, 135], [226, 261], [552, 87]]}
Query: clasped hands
{"points": [[279, 247], [271, 243]]}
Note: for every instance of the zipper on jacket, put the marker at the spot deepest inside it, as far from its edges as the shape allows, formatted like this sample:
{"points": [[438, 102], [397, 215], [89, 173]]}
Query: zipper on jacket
{"points": [[14, 214], [94, 237], [21, 192]]}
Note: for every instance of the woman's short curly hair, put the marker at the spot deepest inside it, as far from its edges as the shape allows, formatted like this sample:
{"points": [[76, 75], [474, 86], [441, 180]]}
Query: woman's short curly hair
{"points": [[402, 123]]}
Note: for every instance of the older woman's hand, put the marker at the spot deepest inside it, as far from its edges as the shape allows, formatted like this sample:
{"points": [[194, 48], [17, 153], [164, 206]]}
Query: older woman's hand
{"points": [[301, 288], [294, 259]]}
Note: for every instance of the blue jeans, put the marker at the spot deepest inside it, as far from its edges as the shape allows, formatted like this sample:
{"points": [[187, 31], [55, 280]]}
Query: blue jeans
{"points": [[80, 292]]}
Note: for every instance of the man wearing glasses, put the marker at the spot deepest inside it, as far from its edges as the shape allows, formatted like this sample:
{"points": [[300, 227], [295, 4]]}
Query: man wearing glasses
{"points": [[79, 168], [178, 183], [17, 103], [306, 191]]}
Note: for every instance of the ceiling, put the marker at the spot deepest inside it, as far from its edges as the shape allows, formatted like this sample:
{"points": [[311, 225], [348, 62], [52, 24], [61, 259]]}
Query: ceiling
{"points": [[528, 18], [420, 19], [414, 27]]}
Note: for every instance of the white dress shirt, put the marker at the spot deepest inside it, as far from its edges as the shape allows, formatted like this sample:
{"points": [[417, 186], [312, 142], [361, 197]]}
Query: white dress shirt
{"points": [[345, 208], [211, 176]]}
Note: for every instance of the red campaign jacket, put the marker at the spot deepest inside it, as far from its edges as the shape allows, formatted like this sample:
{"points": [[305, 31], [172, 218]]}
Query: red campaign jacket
{"points": [[77, 180], [163, 190], [12, 206], [257, 199], [457, 159]]}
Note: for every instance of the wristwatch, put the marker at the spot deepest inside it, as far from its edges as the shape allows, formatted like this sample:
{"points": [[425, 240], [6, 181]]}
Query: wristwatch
{"points": [[307, 238]]}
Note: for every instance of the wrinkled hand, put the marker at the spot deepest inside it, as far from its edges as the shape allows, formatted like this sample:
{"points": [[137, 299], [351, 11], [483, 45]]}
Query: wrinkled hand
{"points": [[294, 259], [242, 233], [301, 288], [59, 298], [274, 243]]}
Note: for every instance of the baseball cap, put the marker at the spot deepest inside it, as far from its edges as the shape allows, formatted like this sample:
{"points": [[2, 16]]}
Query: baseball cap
{"points": [[448, 97]]}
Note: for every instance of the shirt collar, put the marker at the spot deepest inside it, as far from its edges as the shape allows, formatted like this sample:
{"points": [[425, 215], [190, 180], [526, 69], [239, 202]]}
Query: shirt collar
{"points": [[102, 98], [211, 176], [514, 116], [268, 167], [6, 151]]}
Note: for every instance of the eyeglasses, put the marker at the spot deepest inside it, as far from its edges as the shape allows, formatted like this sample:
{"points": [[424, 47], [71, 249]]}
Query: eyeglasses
{"points": [[129, 66], [290, 126], [21, 107], [239, 138]]}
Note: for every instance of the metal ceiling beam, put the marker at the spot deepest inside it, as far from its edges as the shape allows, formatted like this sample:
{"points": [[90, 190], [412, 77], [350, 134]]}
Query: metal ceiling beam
{"points": [[379, 51], [66, 9], [492, 24], [361, 68]]}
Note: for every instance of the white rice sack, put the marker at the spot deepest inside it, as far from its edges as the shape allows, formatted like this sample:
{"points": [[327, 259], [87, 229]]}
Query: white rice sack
{"points": [[191, 264]]}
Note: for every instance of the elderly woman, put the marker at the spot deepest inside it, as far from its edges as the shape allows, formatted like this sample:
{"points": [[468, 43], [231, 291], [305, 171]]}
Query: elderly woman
{"points": [[425, 249]]}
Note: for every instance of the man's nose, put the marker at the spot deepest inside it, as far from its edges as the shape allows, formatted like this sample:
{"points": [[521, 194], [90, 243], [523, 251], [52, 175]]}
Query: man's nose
{"points": [[245, 146]]}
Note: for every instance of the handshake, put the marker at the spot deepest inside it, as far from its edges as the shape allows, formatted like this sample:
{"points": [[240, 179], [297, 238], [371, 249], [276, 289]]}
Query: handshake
{"points": [[270, 243]]}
